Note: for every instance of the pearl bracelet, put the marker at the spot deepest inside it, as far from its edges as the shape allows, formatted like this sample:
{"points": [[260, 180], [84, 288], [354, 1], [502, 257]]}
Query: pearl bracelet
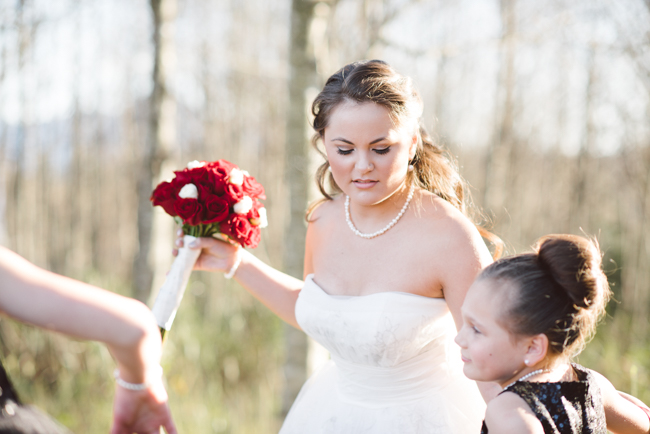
{"points": [[234, 267], [134, 386]]}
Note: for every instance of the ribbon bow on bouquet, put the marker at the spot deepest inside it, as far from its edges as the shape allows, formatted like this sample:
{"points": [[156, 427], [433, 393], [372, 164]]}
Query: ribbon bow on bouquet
{"points": [[206, 198]]}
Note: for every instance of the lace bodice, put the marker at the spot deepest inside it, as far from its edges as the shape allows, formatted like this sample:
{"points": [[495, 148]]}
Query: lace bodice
{"points": [[387, 346], [394, 367]]}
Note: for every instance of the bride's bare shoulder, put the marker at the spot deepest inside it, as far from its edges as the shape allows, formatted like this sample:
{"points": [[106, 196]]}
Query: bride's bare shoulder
{"points": [[445, 223], [323, 210], [440, 212]]}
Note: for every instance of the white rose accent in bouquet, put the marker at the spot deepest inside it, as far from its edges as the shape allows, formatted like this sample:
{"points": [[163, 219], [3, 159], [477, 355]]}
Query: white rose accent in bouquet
{"points": [[261, 221], [189, 191], [243, 206], [236, 177], [195, 164]]}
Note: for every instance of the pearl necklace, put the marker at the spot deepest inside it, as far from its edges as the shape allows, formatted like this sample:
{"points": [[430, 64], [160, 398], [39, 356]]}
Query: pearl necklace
{"points": [[530, 374], [388, 226]]}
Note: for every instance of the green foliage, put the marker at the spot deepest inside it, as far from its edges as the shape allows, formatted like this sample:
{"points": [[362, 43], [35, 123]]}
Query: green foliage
{"points": [[623, 360]]}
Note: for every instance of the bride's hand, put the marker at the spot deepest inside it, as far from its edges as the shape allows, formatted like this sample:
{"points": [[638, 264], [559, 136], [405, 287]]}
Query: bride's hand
{"points": [[217, 254]]}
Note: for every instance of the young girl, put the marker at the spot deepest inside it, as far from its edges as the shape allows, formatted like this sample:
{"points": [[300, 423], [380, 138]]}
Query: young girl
{"points": [[524, 318]]}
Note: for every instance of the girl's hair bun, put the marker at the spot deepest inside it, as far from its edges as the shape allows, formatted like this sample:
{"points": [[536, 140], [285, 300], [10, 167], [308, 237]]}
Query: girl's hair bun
{"points": [[575, 264], [559, 290]]}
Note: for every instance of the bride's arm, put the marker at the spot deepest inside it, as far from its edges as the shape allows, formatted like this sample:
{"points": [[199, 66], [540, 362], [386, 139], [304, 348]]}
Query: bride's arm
{"points": [[276, 290], [467, 256]]}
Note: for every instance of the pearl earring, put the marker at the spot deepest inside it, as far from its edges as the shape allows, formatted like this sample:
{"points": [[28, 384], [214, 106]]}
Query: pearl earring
{"points": [[526, 362], [410, 168], [329, 168]]}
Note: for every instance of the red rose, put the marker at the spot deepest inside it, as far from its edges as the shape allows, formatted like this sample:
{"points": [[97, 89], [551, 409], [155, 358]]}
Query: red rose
{"points": [[253, 188], [222, 166], [164, 195], [215, 209], [192, 176], [254, 237], [218, 173], [239, 229], [233, 193], [205, 190], [189, 210]]}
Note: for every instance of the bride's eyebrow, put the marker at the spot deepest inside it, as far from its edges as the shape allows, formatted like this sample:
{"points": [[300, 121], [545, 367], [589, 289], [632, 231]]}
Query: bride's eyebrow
{"points": [[341, 139]]}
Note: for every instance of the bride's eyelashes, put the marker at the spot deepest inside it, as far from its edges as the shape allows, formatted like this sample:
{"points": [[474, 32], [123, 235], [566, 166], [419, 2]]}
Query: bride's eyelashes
{"points": [[380, 151]]}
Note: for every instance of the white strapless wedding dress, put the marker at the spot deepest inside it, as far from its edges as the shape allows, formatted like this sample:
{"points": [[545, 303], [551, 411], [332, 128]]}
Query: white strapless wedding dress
{"points": [[394, 367]]}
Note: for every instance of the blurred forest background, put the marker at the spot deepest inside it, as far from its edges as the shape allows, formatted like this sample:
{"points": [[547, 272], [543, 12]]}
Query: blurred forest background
{"points": [[545, 104]]}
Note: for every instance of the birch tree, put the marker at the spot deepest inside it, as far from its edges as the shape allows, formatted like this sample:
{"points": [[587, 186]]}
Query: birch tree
{"points": [[158, 144], [302, 74]]}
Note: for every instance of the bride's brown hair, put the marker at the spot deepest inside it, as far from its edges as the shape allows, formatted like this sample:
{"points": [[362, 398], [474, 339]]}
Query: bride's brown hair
{"points": [[375, 81]]}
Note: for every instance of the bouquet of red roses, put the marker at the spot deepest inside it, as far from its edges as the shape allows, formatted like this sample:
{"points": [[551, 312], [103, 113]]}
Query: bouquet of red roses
{"points": [[215, 197], [206, 199]]}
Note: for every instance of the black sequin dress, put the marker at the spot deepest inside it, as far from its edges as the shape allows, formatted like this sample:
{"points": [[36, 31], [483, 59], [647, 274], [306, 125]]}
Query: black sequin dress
{"points": [[566, 407]]}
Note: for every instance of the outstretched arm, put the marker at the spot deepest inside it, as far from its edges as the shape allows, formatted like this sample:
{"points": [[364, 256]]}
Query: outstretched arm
{"points": [[276, 290], [44, 299]]}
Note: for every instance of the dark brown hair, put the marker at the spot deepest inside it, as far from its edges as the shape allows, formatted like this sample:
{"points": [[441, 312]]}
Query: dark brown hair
{"points": [[559, 290], [375, 81]]}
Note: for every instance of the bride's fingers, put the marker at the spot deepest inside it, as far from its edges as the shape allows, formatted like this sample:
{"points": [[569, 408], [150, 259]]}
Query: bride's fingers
{"points": [[216, 246]]}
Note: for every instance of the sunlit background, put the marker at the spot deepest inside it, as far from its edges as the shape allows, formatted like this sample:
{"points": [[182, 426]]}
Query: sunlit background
{"points": [[544, 104]]}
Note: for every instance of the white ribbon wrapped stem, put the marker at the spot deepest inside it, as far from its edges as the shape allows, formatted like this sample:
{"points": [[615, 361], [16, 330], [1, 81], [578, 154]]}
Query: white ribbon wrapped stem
{"points": [[172, 290]]}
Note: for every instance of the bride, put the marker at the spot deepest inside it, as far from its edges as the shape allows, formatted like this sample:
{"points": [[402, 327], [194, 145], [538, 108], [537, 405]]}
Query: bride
{"points": [[389, 257]]}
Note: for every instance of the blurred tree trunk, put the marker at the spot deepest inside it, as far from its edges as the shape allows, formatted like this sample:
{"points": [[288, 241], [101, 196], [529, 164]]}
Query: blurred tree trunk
{"points": [[15, 183], [71, 253], [157, 146], [4, 165], [302, 74], [498, 155], [580, 210]]}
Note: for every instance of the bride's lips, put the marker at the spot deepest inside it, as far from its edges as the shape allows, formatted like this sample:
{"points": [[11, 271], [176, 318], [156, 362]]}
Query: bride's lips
{"points": [[464, 359], [364, 183]]}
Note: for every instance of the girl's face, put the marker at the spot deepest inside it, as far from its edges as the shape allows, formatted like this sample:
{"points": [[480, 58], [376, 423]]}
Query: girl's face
{"points": [[488, 350], [369, 156]]}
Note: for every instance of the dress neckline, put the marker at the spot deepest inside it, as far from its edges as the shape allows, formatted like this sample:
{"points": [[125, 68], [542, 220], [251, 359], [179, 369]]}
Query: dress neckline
{"points": [[581, 372], [310, 277]]}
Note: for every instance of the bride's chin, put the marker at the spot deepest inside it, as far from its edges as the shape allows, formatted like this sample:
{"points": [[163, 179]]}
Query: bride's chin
{"points": [[373, 196]]}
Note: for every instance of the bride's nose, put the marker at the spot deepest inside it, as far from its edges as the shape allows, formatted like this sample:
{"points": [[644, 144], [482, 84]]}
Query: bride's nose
{"points": [[364, 165]]}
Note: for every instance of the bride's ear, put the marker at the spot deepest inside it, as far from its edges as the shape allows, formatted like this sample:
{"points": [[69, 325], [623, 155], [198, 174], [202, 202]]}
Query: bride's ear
{"points": [[414, 145], [537, 349]]}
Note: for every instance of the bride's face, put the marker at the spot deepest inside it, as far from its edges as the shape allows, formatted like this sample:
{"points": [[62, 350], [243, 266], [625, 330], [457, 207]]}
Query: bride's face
{"points": [[368, 154], [488, 350]]}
